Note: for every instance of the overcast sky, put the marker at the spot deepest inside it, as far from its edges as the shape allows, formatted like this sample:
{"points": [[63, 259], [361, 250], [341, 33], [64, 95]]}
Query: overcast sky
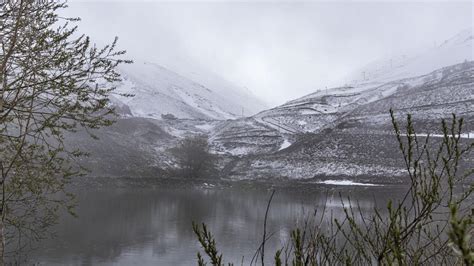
{"points": [[278, 50]]}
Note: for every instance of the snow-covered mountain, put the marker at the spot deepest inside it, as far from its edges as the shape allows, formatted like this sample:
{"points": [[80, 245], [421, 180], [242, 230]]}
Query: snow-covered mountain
{"points": [[158, 91], [310, 114], [326, 108], [348, 133], [454, 50], [344, 131]]}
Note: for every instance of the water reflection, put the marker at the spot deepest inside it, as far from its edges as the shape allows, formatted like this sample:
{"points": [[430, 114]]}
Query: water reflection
{"points": [[153, 226]]}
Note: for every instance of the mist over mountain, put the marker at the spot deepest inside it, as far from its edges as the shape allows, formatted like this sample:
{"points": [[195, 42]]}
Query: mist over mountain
{"points": [[159, 91], [236, 132], [335, 132], [451, 51]]}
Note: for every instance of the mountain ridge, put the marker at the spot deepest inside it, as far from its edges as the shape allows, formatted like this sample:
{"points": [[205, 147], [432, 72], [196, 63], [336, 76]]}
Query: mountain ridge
{"points": [[159, 91], [453, 50]]}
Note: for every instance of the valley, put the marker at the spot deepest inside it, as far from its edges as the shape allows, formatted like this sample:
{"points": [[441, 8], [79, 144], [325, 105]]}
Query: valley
{"points": [[340, 133]]}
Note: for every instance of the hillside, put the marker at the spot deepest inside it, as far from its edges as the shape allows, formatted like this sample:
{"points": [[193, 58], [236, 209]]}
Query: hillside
{"points": [[358, 141], [454, 50], [343, 133], [158, 91]]}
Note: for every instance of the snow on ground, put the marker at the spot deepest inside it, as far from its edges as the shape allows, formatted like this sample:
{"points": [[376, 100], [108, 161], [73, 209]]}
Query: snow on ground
{"points": [[346, 183], [158, 90], [180, 133], [469, 135], [205, 127], [309, 112], [239, 151], [285, 145]]}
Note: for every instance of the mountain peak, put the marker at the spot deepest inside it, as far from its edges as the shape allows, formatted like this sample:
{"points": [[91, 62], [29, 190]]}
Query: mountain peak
{"points": [[159, 91]]}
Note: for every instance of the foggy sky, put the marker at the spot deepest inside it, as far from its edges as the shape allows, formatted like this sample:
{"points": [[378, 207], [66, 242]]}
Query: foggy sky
{"points": [[278, 50]]}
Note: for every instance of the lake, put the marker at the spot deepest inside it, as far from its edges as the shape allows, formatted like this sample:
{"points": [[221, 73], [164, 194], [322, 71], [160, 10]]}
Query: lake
{"points": [[151, 224]]}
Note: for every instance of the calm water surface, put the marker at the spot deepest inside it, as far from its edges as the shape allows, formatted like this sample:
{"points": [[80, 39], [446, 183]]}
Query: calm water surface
{"points": [[152, 226]]}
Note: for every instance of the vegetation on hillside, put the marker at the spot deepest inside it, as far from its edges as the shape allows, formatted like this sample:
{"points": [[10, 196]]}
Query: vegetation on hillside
{"points": [[194, 158], [431, 225]]}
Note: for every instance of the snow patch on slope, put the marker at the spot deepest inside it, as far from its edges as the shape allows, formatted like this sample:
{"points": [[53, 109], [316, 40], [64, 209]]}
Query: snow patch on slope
{"points": [[346, 183], [158, 91], [285, 144]]}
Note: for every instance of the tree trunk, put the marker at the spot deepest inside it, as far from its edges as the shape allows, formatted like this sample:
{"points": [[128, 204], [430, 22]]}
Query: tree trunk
{"points": [[2, 243]]}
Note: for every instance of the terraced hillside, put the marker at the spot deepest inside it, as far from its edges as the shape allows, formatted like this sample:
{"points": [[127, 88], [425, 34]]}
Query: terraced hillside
{"points": [[244, 137], [352, 135]]}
